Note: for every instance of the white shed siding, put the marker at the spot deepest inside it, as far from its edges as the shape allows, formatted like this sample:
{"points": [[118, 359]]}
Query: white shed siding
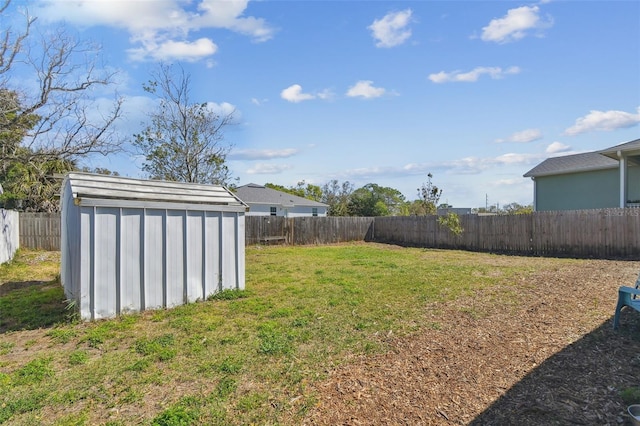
{"points": [[212, 256], [10, 240], [131, 245], [154, 249], [194, 255], [127, 257]]}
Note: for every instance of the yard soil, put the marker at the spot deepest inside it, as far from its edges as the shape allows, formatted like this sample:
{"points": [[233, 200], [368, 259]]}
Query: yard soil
{"points": [[549, 357]]}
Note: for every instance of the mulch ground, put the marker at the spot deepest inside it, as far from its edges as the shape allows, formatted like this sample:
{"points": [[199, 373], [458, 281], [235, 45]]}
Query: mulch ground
{"points": [[549, 358]]}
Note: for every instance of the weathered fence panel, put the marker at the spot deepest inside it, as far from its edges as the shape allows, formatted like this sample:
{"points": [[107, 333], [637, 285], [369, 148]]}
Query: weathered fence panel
{"points": [[305, 230], [329, 230], [10, 241], [40, 231]]}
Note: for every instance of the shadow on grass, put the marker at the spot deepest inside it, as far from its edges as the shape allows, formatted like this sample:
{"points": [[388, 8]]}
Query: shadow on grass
{"points": [[30, 305], [584, 384]]}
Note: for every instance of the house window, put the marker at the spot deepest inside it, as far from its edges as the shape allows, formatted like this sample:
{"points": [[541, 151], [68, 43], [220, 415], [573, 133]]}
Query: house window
{"points": [[272, 211], [314, 211]]}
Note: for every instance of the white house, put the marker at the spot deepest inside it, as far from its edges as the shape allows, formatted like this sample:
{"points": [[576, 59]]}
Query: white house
{"points": [[265, 201]]}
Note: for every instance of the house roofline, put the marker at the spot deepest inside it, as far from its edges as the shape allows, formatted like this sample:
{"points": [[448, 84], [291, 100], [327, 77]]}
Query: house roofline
{"points": [[568, 172]]}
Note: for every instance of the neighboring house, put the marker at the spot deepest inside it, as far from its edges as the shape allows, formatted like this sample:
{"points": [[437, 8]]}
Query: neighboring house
{"points": [[593, 180], [265, 201]]}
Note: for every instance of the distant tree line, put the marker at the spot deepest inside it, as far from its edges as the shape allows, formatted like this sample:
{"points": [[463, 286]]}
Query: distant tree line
{"points": [[372, 199]]}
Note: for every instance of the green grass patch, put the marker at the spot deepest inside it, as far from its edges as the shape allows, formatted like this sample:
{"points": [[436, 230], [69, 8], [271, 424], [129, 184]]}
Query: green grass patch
{"points": [[229, 295], [21, 403], [162, 348], [40, 304], [30, 292], [34, 371], [78, 357], [239, 357], [630, 395], [62, 335]]}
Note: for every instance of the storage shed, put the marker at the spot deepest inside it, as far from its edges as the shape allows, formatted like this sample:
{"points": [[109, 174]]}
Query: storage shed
{"points": [[130, 245]]}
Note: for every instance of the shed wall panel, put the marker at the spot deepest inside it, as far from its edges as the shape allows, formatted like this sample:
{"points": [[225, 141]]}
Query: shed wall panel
{"points": [[196, 251], [85, 271], [154, 259], [213, 254], [239, 251], [231, 246], [106, 232], [175, 258], [131, 260]]}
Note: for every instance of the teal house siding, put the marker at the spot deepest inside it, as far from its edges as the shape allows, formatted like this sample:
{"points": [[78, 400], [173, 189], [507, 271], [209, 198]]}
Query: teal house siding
{"points": [[609, 178], [576, 191], [633, 185]]}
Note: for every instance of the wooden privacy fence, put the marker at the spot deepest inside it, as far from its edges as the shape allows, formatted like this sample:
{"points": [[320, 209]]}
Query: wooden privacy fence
{"points": [[306, 230], [604, 233], [40, 231]]}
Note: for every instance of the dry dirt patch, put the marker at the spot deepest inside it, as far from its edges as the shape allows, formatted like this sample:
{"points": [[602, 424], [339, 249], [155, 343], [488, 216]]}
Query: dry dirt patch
{"points": [[550, 357]]}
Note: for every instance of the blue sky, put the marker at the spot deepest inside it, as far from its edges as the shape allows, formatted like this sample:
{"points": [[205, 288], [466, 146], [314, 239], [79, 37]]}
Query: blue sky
{"points": [[475, 92]]}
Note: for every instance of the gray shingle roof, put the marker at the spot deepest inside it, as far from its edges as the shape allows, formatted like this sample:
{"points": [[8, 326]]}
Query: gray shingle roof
{"points": [[258, 194], [598, 160], [571, 164], [633, 147]]}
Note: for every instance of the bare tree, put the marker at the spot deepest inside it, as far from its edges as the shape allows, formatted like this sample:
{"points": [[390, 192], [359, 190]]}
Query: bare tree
{"points": [[49, 116], [68, 74], [184, 140]]}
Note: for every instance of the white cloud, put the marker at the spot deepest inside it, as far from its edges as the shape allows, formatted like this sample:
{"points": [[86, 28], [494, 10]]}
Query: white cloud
{"points": [[557, 147], [524, 136], [262, 154], [160, 28], [178, 50], [466, 165], [365, 89], [228, 14], [326, 95], [515, 25], [603, 120], [269, 169], [473, 75], [392, 30], [475, 165], [223, 109], [294, 94]]}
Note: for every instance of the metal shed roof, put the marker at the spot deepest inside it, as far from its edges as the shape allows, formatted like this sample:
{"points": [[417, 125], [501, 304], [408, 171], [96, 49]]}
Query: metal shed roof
{"points": [[88, 189]]}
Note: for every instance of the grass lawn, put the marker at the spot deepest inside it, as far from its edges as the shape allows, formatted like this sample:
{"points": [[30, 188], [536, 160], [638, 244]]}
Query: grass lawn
{"points": [[240, 358]]}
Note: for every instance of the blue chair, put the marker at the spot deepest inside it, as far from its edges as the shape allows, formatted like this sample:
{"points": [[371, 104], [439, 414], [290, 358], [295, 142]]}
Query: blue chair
{"points": [[627, 296]]}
